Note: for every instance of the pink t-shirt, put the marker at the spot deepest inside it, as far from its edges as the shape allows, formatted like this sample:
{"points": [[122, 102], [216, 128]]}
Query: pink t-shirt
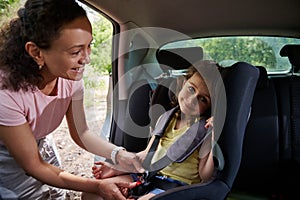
{"points": [[43, 113]]}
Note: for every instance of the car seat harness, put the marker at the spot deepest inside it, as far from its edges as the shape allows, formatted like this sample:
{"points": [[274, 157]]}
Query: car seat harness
{"points": [[184, 146]]}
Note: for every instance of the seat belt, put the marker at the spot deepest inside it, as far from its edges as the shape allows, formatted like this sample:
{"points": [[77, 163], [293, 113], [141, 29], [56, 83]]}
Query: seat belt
{"points": [[163, 162], [152, 169]]}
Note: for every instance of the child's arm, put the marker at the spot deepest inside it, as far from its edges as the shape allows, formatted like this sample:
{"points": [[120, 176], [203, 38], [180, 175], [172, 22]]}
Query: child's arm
{"points": [[209, 122], [206, 163], [106, 170], [206, 167], [142, 154]]}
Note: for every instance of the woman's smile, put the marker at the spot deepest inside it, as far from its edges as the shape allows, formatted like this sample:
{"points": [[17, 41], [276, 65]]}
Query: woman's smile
{"points": [[78, 69]]}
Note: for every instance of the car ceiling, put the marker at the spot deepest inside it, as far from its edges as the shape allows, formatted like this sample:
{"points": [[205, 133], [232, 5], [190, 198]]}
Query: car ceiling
{"points": [[198, 18]]}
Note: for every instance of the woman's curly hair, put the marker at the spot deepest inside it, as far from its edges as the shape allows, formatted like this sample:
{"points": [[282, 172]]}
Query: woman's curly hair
{"points": [[40, 22]]}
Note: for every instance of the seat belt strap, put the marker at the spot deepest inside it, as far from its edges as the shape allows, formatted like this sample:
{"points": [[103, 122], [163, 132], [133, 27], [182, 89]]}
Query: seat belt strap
{"points": [[147, 162], [152, 169]]}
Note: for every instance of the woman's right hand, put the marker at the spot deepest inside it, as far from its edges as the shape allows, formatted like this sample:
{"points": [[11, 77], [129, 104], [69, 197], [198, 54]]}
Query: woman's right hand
{"points": [[129, 162]]}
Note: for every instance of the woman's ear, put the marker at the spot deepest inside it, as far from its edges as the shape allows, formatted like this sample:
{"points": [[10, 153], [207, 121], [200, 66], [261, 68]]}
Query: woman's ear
{"points": [[35, 52]]}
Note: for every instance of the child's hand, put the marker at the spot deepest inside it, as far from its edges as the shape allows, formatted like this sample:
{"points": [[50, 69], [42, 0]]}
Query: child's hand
{"points": [[104, 170], [209, 122]]}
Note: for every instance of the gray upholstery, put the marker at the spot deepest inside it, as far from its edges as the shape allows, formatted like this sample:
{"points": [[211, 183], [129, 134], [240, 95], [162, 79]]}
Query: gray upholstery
{"points": [[261, 145]]}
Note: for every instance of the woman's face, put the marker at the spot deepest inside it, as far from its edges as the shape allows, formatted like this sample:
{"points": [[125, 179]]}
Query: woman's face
{"points": [[194, 98], [70, 52]]}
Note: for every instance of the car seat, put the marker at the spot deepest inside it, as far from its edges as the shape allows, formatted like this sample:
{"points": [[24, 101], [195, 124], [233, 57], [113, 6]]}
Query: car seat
{"points": [[263, 126], [292, 51], [239, 81]]}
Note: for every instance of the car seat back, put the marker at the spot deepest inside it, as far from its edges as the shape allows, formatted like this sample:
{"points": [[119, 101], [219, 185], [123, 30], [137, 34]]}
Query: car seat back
{"points": [[260, 157], [271, 157]]}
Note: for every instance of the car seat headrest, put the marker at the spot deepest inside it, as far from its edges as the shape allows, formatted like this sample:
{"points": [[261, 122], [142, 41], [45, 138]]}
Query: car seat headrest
{"points": [[179, 58], [263, 80], [292, 51]]}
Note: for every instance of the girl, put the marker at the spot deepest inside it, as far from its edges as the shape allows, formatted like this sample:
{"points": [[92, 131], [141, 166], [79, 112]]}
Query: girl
{"points": [[193, 104]]}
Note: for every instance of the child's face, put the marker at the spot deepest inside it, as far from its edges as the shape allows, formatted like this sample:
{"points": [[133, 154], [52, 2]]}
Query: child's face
{"points": [[194, 98]]}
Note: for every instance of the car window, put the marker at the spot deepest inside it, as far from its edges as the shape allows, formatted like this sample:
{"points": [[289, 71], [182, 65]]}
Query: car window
{"points": [[257, 50]]}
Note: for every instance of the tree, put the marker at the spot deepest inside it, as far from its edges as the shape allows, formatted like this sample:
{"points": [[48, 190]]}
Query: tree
{"points": [[249, 49], [101, 57], [8, 9]]}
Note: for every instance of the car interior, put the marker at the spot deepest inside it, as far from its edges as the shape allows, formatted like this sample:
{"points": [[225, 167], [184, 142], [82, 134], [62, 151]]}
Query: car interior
{"points": [[257, 125]]}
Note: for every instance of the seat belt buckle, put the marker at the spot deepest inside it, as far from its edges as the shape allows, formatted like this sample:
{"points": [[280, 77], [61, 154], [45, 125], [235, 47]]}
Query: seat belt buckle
{"points": [[142, 185]]}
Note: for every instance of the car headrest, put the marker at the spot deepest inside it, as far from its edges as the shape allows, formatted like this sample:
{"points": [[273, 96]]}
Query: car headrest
{"points": [[292, 51], [263, 80], [179, 58]]}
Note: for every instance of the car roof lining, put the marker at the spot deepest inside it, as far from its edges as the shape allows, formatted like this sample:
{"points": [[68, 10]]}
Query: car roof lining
{"points": [[276, 17]]}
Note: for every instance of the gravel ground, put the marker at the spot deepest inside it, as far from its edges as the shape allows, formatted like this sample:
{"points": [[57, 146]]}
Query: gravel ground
{"points": [[73, 158]]}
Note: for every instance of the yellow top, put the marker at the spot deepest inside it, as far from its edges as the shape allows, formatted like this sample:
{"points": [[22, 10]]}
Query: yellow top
{"points": [[186, 171]]}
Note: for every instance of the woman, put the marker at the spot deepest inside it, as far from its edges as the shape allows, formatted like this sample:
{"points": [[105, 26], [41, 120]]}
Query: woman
{"points": [[43, 53]]}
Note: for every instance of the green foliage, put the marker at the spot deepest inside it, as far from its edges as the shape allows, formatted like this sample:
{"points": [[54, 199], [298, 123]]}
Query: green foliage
{"points": [[102, 46], [101, 53], [4, 4], [251, 50], [8, 9], [256, 50]]}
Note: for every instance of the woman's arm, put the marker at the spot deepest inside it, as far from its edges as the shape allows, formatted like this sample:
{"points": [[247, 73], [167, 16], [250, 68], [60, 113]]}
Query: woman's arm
{"points": [[22, 146], [93, 143], [106, 170]]}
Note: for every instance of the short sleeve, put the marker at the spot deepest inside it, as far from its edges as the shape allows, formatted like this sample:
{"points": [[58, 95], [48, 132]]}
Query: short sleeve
{"points": [[12, 109], [78, 90]]}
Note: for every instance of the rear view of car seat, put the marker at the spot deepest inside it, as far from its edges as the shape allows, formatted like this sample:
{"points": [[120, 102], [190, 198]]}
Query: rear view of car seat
{"points": [[271, 155], [288, 90], [260, 158]]}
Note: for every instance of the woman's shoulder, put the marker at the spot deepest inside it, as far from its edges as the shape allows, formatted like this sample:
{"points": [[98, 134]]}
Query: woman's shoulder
{"points": [[11, 94], [66, 84]]}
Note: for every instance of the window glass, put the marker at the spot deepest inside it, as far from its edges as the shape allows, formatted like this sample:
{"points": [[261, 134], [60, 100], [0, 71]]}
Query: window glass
{"points": [[258, 51]]}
